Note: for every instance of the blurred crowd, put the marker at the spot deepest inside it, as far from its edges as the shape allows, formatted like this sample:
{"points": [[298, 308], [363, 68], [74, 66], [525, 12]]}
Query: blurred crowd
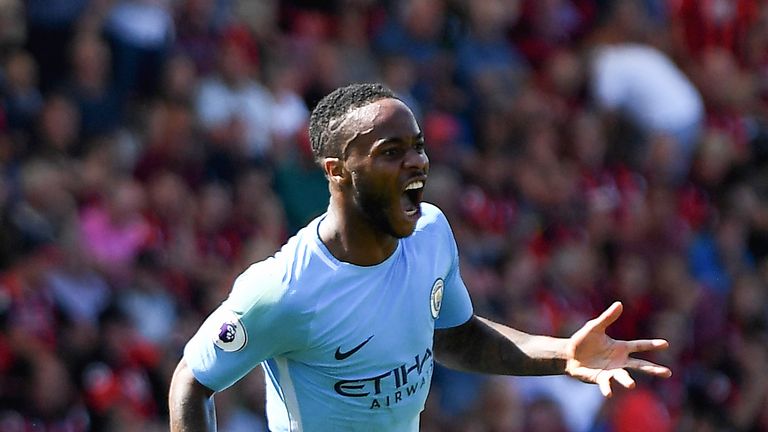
{"points": [[585, 151]]}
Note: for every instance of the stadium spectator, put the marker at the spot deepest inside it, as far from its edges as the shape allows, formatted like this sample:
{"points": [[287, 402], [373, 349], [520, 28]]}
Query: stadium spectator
{"points": [[546, 199], [233, 107]]}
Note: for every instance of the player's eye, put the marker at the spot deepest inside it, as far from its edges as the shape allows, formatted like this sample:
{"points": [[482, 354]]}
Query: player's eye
{"points": [[392, 151]]}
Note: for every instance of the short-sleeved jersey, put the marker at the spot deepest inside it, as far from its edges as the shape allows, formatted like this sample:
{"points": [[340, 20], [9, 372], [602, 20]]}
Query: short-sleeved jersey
{"points": [[344, 347]]}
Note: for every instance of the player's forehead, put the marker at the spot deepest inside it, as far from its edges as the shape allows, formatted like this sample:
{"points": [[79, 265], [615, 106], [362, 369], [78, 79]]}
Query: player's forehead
{"points": [[384, 116], [381, 107]]}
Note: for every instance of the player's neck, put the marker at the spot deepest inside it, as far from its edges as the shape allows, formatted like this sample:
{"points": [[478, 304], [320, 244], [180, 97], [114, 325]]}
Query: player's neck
{"points": [[352, 239]]}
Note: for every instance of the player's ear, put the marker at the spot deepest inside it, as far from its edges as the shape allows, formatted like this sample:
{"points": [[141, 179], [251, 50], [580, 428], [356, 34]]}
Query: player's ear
{"points": [[334, 170]]}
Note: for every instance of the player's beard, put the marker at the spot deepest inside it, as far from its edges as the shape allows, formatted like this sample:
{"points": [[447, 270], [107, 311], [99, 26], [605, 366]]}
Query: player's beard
{"points": [[378, 208]]}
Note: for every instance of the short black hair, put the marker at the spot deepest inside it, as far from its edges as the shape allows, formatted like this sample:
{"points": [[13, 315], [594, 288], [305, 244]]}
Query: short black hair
{"points": [[334, 106]]}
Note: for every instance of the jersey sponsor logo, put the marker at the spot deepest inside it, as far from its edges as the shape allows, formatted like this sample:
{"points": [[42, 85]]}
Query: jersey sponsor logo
{"points": [[339, 355], [436, 298], [230, 335], [392, 386]]}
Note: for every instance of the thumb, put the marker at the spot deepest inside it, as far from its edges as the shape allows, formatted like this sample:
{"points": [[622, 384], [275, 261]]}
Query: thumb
{"points": [[608, 317]]}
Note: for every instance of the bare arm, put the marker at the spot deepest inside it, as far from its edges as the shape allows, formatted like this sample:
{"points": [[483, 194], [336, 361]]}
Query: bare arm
{"points": [[484, 346], [190, 403], [589, 354]]}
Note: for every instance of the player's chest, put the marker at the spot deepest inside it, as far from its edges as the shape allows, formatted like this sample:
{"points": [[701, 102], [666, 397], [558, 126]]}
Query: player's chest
{"points": [[381, 319]]}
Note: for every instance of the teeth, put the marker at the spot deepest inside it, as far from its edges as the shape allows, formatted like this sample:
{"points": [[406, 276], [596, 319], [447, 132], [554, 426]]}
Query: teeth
{"points": [[415, 185]]}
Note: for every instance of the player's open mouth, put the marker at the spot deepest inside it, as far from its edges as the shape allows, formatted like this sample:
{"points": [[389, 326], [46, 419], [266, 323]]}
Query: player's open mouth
{"points": [[412, 196]]}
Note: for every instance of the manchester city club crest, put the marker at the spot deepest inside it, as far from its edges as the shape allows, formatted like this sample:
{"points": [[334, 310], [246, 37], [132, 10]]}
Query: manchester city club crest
{"points": [[436, 298], [230, 333]]}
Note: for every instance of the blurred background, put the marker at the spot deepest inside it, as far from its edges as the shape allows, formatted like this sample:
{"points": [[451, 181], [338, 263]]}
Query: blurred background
{"points": [[585, 151]]}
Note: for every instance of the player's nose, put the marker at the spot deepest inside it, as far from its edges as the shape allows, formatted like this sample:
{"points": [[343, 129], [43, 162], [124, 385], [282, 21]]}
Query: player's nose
{"points": [[416, 159]]}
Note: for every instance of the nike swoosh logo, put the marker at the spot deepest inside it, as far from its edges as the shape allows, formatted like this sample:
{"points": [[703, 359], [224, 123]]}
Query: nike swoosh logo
{"points": [[343, 355]]}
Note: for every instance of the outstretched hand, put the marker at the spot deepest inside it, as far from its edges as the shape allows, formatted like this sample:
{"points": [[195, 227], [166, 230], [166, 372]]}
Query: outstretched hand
{"points": [[593, 357]]}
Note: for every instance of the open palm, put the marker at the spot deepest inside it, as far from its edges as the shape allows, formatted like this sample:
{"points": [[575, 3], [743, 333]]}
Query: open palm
{"points": [[593, 357]]}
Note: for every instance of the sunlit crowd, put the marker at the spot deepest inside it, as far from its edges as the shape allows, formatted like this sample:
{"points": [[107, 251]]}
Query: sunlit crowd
{"points": [[584, 151]]}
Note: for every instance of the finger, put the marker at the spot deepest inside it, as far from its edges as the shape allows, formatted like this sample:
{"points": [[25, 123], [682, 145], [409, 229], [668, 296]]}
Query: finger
{"points": [[603, 381], [649, 368], [622, 377], [641, 345], [609, 316]]}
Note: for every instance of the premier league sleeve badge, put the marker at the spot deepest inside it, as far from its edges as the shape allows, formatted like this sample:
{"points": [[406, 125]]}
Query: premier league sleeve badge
{"points": [[229, 333]]}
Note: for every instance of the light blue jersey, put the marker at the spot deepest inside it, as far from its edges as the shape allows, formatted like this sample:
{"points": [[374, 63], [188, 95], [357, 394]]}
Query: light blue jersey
{"points": [[344, 347]]}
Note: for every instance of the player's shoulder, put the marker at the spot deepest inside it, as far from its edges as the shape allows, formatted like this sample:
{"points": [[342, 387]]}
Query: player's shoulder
{"points": [[431, 218], [266, 282], [260, 284]]}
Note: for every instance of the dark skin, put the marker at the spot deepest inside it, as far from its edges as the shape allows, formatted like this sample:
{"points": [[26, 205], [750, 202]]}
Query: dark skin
{"points": [[373, 173], [381, 152], [190, 403]]}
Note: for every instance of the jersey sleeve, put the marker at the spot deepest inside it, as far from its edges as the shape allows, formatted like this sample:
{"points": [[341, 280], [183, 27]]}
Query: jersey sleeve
{"points": [[250, 326], [456, 308]]}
